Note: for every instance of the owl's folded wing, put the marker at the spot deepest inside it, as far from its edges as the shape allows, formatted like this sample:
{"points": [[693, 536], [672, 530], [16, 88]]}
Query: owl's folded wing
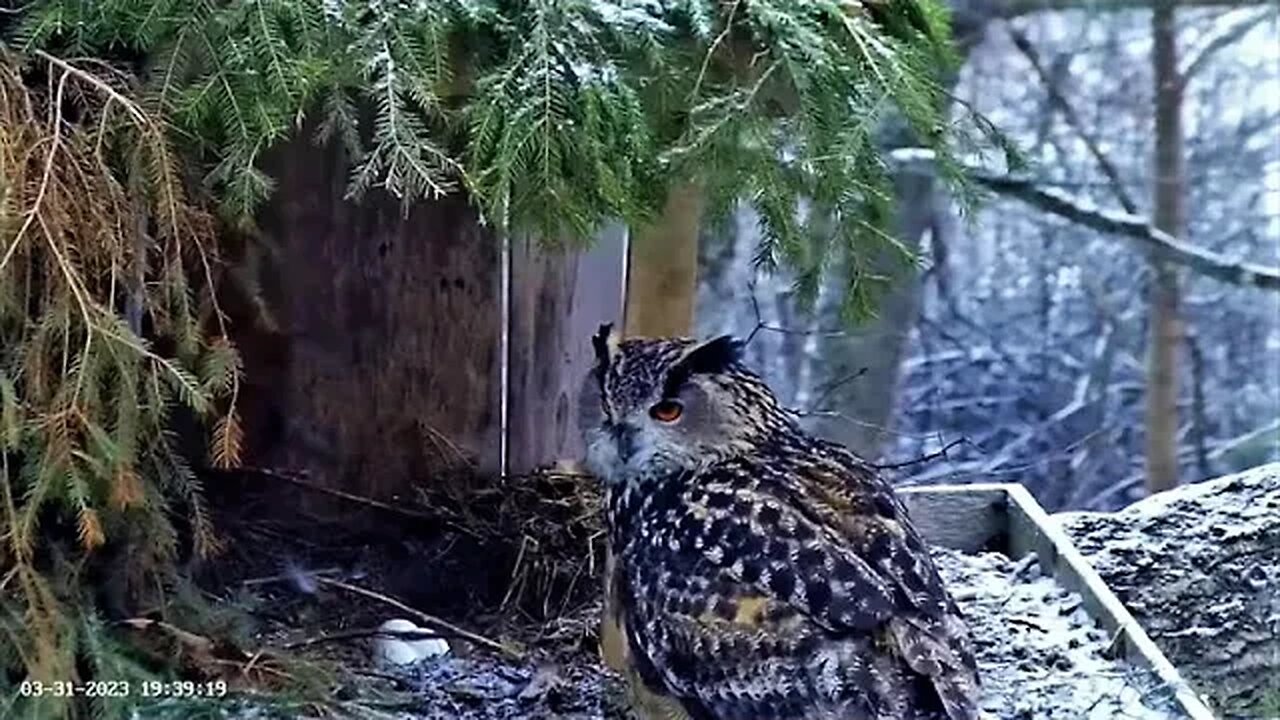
{"points": [[780, 569], [738, 654], [725, 650]]}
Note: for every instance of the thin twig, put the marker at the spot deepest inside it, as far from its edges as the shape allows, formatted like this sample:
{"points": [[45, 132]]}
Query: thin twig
{"points": [[927, 458], [1023, 43], [283, 577], [381, 676], [428, 619], [1227, 37], [715, 45], [364, 633], [779, 329], [33, 213], [299, 479], [831, 387]]}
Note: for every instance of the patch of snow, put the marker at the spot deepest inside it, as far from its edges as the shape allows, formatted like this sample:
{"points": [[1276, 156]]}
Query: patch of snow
{"points": [[1040, 654], [1199, 567]]}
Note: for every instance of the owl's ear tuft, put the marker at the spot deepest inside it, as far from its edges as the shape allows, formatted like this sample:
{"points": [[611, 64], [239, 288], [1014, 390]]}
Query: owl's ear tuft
{"points": [[711, 357], [604, 343], [600, 341]]}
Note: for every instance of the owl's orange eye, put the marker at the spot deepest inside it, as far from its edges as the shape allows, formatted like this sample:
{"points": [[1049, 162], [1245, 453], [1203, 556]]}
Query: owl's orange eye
{"points": [[666, 411]]}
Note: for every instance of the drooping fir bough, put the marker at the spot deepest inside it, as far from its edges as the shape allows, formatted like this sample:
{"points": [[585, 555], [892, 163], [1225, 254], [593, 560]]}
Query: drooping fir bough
{"points": [[555, 114], [128, 126], [107, 324]]}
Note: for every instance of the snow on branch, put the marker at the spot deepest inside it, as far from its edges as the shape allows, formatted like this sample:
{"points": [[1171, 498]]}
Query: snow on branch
{"points": [[1134, 227], [1223, 39], [1015, 8]]}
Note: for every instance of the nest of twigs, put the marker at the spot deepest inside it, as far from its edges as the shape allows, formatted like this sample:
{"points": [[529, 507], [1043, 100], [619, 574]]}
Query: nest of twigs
{"points": [[518, 556], [540, 532]]}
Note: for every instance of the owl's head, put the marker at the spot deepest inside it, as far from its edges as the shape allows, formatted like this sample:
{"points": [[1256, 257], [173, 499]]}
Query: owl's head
{"points": [[656, 406]]}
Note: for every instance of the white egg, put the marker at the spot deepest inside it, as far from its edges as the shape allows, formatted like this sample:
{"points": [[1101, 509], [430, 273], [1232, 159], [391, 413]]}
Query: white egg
{"points": [[400, 651], [389, 652], [430, 647]]}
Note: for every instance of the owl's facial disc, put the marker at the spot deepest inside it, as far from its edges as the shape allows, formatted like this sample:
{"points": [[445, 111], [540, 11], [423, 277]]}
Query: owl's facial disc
{"points": [[651, 437], [654, 407]]}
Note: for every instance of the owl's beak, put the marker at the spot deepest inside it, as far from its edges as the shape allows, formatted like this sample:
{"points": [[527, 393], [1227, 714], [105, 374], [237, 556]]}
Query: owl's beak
{"points": [[624, 436]]}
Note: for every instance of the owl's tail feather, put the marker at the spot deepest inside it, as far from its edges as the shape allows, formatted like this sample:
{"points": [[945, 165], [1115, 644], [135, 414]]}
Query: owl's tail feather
{"points": [[957, 696], [927, 645]]}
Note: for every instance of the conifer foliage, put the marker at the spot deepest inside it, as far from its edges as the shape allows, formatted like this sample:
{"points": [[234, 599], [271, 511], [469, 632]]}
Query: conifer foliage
{"points": [[553, 114], [106, 325], [132, 130]]}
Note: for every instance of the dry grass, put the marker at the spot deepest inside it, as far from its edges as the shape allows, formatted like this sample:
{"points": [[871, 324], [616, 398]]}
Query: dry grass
{"points": [[551, 521]]}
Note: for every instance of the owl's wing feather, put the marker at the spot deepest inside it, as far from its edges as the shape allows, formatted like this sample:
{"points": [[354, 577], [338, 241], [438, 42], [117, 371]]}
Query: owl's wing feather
{"points": [[938, 648], [734, 653], [797, 581]]}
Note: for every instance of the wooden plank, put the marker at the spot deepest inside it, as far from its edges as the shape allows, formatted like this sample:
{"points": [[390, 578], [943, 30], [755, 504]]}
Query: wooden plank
{"points": [[558, 300], [386, 370], [1058, 554], [1028, 529], [966, 518]]}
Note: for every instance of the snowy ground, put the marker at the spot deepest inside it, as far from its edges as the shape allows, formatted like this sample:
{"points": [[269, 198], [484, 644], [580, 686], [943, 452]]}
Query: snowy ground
{"points": [[1041, 658], [1040, 655]]}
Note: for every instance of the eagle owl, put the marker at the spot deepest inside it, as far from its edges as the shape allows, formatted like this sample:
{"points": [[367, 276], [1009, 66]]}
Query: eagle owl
{"points": [[756, 572]]}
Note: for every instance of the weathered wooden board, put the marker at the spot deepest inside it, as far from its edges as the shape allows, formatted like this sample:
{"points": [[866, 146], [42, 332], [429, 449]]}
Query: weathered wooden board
{"points": [[558, 300], [386, 365], [387, 371], [1006, 518]]}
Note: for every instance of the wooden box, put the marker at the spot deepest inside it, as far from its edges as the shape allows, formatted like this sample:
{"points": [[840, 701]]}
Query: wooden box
{"points": [[1006, 518]]}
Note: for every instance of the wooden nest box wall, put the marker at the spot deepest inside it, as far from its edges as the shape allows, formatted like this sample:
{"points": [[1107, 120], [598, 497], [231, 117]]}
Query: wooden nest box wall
{"points": [[381, 365]]}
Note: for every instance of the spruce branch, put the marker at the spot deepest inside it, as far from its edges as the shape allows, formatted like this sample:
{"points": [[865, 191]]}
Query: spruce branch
{"points": [[98, 225]]}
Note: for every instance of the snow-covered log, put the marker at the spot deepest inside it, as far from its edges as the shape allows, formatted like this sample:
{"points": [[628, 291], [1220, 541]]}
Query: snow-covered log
{"points": [[1199, 567]]}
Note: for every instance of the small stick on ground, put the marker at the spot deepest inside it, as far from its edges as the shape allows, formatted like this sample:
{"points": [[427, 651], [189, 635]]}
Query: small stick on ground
{"points": [[283, 577], [428, 619], [394, 679], [366, 633]]}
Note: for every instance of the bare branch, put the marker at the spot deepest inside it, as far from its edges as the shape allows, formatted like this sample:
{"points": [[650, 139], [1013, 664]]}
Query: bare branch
{"points": [[1015, 8], [761, 325], [1023, 43], [431, 620], [1138, 229], [830, 387], [1271, 428], [1227, 37], [927, 458]]}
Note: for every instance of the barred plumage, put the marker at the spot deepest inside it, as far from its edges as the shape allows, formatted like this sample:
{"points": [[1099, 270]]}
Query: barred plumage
{"points": [[755, 572]]}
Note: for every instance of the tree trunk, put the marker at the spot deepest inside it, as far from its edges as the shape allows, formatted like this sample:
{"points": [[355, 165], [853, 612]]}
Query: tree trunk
{"points": [[872, 354], [865, 406], [385, 369], [662, 268], [1164, 293]]}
